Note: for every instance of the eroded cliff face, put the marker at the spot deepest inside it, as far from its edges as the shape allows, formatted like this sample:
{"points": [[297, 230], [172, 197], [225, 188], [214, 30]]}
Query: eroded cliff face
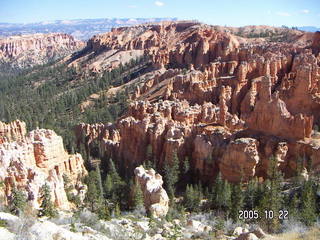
{"points": [[236, 103], [30, 50], [27, 161]]}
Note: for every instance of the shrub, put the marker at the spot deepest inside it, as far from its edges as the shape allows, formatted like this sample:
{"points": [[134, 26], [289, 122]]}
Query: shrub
{"points": [[3, 223]]}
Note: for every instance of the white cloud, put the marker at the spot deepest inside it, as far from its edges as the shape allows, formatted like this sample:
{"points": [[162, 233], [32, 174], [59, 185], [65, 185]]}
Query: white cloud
{"points": [[283, 14], [306, 11], [158, 3]]}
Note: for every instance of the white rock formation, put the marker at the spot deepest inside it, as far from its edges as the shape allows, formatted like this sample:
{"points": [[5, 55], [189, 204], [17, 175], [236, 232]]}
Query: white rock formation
{"points": [[156, 199], [35, 159]]}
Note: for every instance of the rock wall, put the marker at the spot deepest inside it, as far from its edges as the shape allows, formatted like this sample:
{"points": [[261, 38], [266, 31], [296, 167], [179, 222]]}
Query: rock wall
{"points": [[31, 160]]}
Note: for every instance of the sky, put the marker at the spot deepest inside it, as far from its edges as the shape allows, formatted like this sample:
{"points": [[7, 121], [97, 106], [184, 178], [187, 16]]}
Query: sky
{"points": [[216, 12]]}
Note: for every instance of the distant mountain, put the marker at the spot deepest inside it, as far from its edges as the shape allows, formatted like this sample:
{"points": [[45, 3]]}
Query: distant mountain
{"points": [[81, 29], [309, 28]]}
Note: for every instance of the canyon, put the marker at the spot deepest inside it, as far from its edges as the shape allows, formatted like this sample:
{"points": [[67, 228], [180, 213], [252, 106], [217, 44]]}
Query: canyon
{"points": [[225, 103], [189, 102]]}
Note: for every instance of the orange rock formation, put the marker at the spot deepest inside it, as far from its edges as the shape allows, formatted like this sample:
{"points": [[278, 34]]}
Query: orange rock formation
{"points": [[225, 102]]}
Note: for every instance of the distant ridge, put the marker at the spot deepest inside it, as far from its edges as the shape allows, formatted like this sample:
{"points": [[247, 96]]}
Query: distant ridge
{"points": [[81, 29], [309, 28]]}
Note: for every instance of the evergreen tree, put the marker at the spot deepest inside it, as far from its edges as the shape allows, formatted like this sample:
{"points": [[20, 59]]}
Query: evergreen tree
{"points": [[115, 187], [258, 193], [93, 196], [18, 202], [308, 204], [250, 195], [293, 206], [137, 196], [171, 175], [186, 166], [108, 186], [236, 201], [104, 212], [217, 200], [226, 206], [99, 181], [272, 199], [192, 198], [46, 207], [150, 160], [117, 212]]}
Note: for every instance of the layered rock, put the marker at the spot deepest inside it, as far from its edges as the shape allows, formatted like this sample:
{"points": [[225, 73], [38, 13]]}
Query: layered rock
{"points": [[29, 50], [156, 199], [37, 158]]}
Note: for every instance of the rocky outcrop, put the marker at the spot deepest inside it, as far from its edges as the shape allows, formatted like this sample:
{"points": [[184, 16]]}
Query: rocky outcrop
{"points": [[29, 50], [270, 112], [156, 199], [240, 160], [26, 163]]}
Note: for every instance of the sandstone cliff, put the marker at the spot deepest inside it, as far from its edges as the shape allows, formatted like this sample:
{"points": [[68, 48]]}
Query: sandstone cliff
{"points": [[224, 102], [30, 50], [27, 161]]}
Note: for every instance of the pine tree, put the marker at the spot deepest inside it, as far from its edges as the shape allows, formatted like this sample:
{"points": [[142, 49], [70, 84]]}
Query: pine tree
{"points": [[293, 206], [103, 212], [186, 166], [236, 201], [171, 175], [192, 198], [108, 186], [99, 181], [217, 199], [46, 207], [188, 200], [18, 202], [137, 196], [308, 204], [150, 160], [226, 196], [115, 187], [93, 195], [250, 195], [258, 193], [117, 212], [272, 199]]}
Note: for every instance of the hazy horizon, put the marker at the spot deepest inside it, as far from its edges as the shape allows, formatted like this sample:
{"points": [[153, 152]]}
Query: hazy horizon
{"points": [[241, 13]]}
